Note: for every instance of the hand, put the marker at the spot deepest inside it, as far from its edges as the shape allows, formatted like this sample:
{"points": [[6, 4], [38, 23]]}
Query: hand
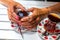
{"points": [[11, 11], [32, 21]]}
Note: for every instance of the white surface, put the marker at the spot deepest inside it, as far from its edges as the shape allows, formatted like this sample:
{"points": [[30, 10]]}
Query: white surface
{"points": [[12, 34], [9, 35], [31, 36]]}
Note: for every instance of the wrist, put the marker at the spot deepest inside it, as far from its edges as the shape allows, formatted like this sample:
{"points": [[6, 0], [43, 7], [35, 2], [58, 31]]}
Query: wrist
{"points": [[6, 2], [11, 3]]}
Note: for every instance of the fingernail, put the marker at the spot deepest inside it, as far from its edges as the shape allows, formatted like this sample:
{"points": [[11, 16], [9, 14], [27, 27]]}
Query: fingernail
{"points": [[22, 20], [17, 17]]}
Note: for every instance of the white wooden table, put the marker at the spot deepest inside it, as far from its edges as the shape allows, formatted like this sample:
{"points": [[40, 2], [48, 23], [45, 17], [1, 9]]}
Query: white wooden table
{"points": [[6, 25]]}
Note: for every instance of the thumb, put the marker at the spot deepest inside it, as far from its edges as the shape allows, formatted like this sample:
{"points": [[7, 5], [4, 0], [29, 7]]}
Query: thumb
{"points": [[31, 9], [27, 19], [24, 19]]}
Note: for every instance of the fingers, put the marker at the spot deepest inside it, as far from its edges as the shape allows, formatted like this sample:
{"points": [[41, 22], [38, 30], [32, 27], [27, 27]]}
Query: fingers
{"points": [[25, 24], [9, 15], [15, 16], [13, 19], [35, 23], [13, 13], [31, 25], [19, 6], [32, 20], [26, 19], [38, 19]]}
